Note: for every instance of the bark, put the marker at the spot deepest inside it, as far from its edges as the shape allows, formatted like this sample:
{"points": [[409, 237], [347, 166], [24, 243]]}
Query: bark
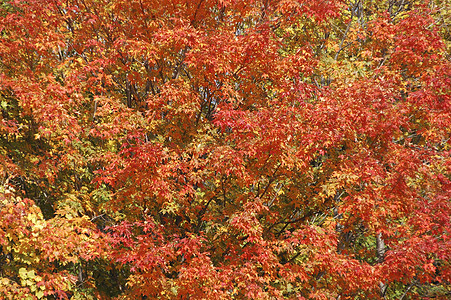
{"points": [[380, 252]]}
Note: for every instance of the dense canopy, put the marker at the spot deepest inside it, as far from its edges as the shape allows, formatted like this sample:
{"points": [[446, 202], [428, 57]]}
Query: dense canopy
{"points": [[225, 149]]}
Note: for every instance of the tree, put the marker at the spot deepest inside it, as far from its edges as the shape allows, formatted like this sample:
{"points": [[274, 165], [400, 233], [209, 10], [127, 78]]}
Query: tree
{"points": [[225, 149]]}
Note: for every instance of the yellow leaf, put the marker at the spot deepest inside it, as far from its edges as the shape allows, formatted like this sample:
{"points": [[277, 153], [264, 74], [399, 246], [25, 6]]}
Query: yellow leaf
{"points": [[23, 273]]}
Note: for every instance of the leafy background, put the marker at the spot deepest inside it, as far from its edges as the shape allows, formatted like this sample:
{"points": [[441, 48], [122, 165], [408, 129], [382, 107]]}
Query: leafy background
{"points": [[225, 149]]}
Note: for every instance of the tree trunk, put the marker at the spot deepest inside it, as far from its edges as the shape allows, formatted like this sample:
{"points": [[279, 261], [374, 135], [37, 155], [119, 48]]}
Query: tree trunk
{"points": [[380, 252]]}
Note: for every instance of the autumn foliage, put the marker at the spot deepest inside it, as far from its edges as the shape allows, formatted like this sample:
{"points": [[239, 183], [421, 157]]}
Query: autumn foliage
{"points": [[224, 149]]}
